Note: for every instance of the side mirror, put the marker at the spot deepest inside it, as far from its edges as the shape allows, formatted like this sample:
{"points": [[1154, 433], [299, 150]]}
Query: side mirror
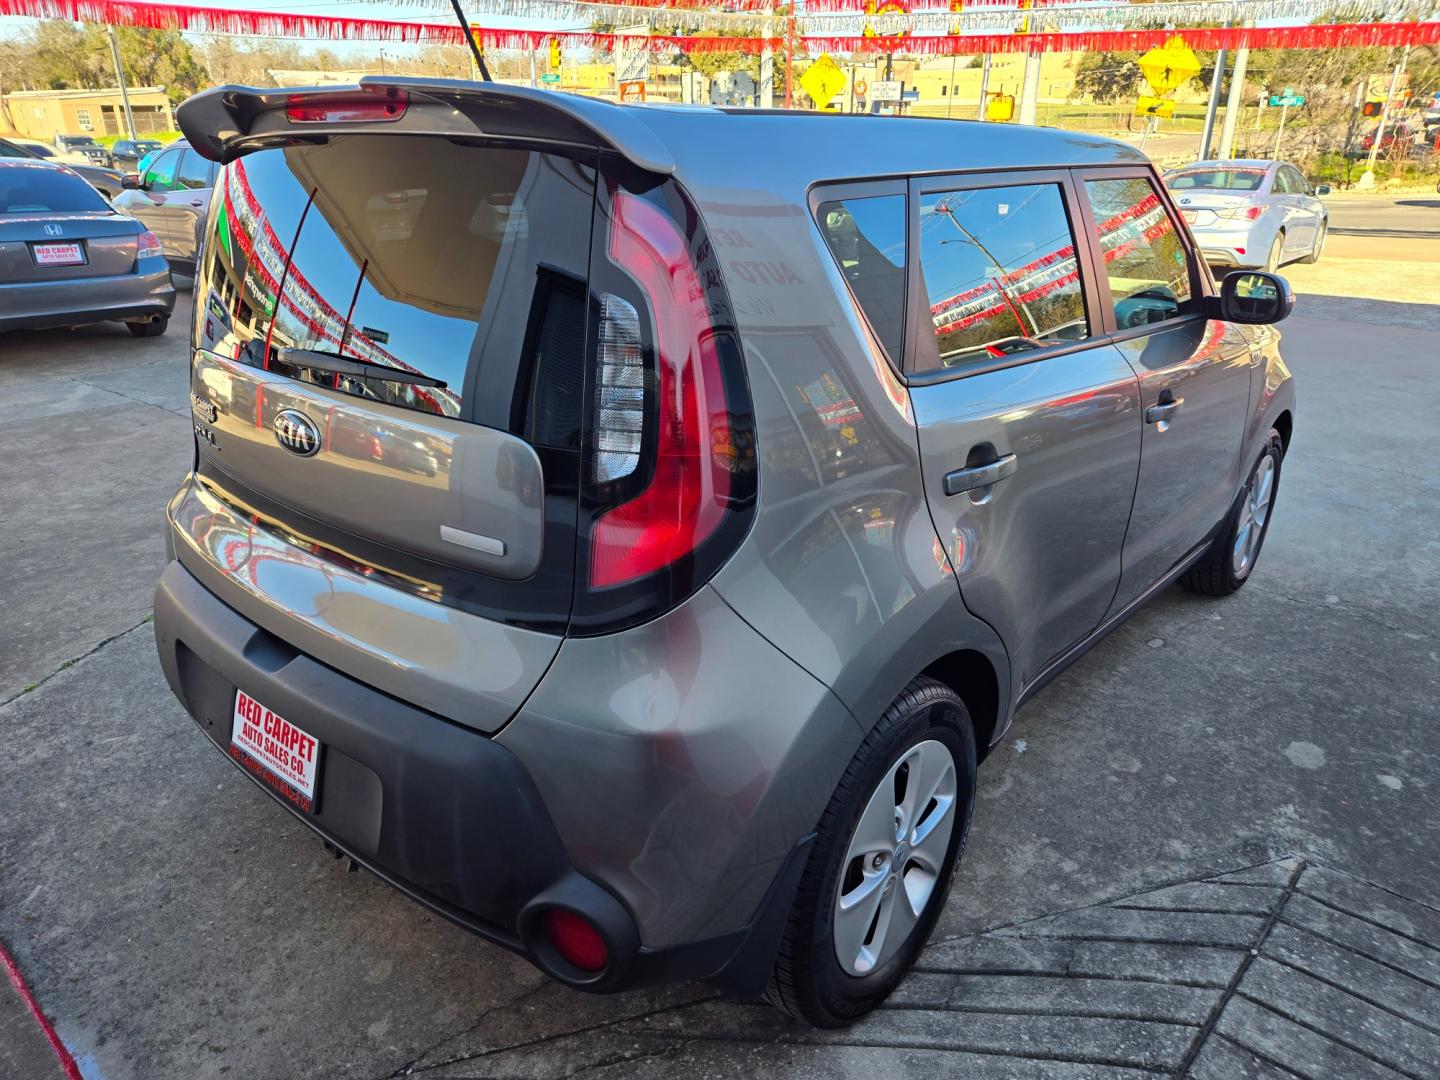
{"points": [[1254, 297], [1322, 189], [130, 181]]}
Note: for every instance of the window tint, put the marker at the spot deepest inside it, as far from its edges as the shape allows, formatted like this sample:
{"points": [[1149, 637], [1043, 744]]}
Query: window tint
{"points": [[999, 273], [1145, 259], [867, 238], [464, 264], [1295, 181], [1241, 179], [160, 177], [194, 171], [42, 189], [11, 150], [1282, 184]]}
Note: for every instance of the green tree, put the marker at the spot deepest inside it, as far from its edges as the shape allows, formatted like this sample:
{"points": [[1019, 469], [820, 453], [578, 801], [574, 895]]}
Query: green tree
{"points": [[1108, 76], [157, 58]]}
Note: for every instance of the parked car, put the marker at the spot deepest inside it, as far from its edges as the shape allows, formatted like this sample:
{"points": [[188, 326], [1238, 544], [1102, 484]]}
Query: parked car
{"points": [[83, 149], [764, 497], [1251, 213], [171, 197], [106, 181], [128, 152], [68, 259]]}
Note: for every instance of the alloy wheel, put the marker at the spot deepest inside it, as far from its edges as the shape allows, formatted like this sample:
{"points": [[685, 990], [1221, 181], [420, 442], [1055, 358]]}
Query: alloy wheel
{"points": [[892, 867], [1254, 514]]}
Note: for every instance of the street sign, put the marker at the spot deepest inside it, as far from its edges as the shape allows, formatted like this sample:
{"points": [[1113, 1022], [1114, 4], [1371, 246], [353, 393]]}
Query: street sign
{"points": [[1167, 66], [1154, 106], [632, 55], [886, 91], [823, 80], [1286, 100], [549, 76]]}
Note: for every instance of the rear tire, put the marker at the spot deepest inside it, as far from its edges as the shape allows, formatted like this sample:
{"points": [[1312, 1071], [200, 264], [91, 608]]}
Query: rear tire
{"points": [[1277, 252], [150, 327], [1221, 570], [1315, 251], [925, 728]]}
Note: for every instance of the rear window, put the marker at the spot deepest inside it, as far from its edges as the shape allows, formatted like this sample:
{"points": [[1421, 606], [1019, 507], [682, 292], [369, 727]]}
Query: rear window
{"points": [[1216, 179], [463, 264], [30, 190]]}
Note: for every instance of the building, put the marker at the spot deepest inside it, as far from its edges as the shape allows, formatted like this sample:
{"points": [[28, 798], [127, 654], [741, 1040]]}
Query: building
{"points": [[43, 114]]}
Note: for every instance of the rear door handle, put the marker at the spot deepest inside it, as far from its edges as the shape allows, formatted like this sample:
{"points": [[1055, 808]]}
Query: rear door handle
{"points": [[1164, 411], [980, 475]]}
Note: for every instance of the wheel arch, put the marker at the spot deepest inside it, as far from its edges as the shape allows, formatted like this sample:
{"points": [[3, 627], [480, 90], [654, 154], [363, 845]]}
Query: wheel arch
{"points": [[973, 677], [1284, 423]]}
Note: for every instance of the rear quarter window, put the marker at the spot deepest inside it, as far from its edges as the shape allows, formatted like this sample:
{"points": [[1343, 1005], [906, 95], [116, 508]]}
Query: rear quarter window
{"points": [[462, 263]]}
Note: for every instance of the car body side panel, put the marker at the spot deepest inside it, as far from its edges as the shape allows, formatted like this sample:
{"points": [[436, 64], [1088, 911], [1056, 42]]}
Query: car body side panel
{"points": [[1272, 392], [843, 570], [681, 761]]}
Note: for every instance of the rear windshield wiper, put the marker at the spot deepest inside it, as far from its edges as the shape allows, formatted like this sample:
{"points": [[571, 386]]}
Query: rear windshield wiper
{"points": [[344, 365]]}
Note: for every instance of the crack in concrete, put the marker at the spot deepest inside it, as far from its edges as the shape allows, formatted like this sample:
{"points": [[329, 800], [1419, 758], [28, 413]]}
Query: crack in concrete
{"points": [[128, 397], [669, 1050], [409, 1067], [68, 664], [1352, 610], [1246, 959]]}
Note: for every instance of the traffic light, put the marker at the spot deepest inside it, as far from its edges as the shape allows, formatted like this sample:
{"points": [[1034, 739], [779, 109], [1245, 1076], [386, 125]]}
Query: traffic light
{"points": [[554, 54], [1372, 108]]}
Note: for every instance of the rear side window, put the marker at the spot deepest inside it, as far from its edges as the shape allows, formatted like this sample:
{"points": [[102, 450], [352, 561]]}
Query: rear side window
{"points": [[461, 264], [31, 190], [999, 272], [194, 172], [1145, 259], [867, 238]]}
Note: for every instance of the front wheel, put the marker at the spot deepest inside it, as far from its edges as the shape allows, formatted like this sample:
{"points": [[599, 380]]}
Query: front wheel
{"points": [[882, 860], [1227, 563]]}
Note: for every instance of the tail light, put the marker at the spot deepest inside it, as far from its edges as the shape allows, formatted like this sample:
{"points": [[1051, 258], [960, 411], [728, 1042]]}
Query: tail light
{"points": [[1242, 213], [385, 103], [149, 245], [671, 464]]}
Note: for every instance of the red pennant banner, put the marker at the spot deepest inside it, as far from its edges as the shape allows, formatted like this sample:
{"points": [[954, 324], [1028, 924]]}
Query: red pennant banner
{"points": [[193, 17]]}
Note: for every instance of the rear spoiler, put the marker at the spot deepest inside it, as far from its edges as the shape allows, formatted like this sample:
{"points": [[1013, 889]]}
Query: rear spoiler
{"points": [[230, 121]]}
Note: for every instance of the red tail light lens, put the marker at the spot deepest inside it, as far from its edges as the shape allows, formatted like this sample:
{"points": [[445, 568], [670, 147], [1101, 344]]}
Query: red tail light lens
{"points": [[685, 499], [384, 104], [149, 245], [576, 940]]}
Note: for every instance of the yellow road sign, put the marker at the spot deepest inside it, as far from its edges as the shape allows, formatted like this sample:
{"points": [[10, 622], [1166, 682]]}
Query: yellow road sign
{"points": [[1167, 66], [1154, 106], [823, 80]]}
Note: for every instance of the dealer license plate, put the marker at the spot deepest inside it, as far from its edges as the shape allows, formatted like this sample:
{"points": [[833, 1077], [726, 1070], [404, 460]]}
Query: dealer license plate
{"points": [[280, 754], [1189, 216], [58, 255]]}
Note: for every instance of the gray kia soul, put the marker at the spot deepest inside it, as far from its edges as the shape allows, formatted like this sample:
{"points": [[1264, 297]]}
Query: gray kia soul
{"points": [[625, 529]]}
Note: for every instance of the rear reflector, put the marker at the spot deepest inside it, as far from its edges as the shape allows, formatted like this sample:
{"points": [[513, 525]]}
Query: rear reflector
{"points": [[388, 104], [149, 245], [576, 940], [685, 499]]}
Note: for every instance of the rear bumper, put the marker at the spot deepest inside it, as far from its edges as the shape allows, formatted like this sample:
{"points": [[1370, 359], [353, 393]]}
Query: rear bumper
{"points": [[39, 305], [442, 812]]}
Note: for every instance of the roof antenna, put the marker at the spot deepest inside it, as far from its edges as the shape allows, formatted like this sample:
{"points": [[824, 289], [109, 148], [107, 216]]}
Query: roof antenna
{"points": [[474, 45]]}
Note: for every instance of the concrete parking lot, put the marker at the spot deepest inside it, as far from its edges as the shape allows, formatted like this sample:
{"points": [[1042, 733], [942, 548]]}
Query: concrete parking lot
{"points": [[1208, 849]]}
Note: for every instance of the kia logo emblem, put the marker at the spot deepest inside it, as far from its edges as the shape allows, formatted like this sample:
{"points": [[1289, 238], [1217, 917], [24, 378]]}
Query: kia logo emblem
{"points": [[54, 230], [296, 432]]}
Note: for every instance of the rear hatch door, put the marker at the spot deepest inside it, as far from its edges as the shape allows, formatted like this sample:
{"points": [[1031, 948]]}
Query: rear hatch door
{"points": [[388, 375]]}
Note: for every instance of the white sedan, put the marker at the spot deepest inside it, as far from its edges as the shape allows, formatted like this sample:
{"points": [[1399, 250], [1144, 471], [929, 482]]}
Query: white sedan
{"points": [[1248, 213]]}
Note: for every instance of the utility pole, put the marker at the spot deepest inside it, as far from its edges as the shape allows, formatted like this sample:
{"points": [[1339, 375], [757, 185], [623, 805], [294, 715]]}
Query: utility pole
{"points": [[120, 79], [1280, 131], [533, 81], [1367, 178], [984, 87], [1030, 92], [1214, 106], [950, 98], [1236, 100]]}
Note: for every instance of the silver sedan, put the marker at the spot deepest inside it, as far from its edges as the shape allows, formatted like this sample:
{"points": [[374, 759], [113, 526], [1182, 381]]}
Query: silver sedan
{"points": [[68, 259], [1250, 213]]}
